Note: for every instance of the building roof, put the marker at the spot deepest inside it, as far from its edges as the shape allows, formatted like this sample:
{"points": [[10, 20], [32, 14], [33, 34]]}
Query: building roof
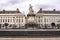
{"points": [[58, 12], [16, 11], [48, 11], [9, 12]]}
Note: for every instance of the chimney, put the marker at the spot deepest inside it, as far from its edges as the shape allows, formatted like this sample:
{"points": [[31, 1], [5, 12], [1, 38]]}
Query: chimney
{"points": [[3, 11], [17, 10], [54, 10], [41, 10]]}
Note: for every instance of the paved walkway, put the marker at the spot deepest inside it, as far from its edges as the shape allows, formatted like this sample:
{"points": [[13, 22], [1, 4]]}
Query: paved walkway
{"points": [[31, 38], [29, 29]]}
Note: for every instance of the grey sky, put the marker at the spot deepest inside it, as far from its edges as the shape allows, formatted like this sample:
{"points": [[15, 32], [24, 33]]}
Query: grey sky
{"points": [[23, 5]]}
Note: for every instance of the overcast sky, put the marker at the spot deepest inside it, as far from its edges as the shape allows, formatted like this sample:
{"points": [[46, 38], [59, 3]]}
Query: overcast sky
{"points": [[23, 5]]}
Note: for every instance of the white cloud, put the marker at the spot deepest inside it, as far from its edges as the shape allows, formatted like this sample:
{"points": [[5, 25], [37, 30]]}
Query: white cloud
{"points": [[23, 5]]}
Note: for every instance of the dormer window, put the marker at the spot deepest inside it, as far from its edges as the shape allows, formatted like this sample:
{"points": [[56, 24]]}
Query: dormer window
{"points": [[3, 11], [54, 10], [18, 10]]}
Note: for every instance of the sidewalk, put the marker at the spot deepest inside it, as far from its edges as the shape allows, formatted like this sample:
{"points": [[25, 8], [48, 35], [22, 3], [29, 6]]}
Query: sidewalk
{"points": [[29, 29]]}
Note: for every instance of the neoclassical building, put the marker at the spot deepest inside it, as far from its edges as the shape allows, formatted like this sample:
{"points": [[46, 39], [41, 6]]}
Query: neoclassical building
{"points": [[12, 19], [41, 19], [48, 19]]}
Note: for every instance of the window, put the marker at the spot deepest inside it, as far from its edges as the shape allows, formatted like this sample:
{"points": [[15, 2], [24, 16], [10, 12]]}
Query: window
{"points": [[13, 19], [19, 20], [19, 16], [22, 19], [16, 20], [3, 20], [39, 20], [44, 20], [1, 17], [8, 20], [47, 20]]}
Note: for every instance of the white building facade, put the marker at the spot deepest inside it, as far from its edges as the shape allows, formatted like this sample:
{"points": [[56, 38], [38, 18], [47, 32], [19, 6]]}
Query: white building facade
{"points": [[41, 19], [49, 19], [12, 19]]}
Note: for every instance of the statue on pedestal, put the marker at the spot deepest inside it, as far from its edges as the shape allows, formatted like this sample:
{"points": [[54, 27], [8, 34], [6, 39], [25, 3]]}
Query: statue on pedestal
{"points": [[31, 9]]}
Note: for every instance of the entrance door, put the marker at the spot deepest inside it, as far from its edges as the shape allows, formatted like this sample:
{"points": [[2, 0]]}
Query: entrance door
{"points": [[5, 25], [53, 25]]}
